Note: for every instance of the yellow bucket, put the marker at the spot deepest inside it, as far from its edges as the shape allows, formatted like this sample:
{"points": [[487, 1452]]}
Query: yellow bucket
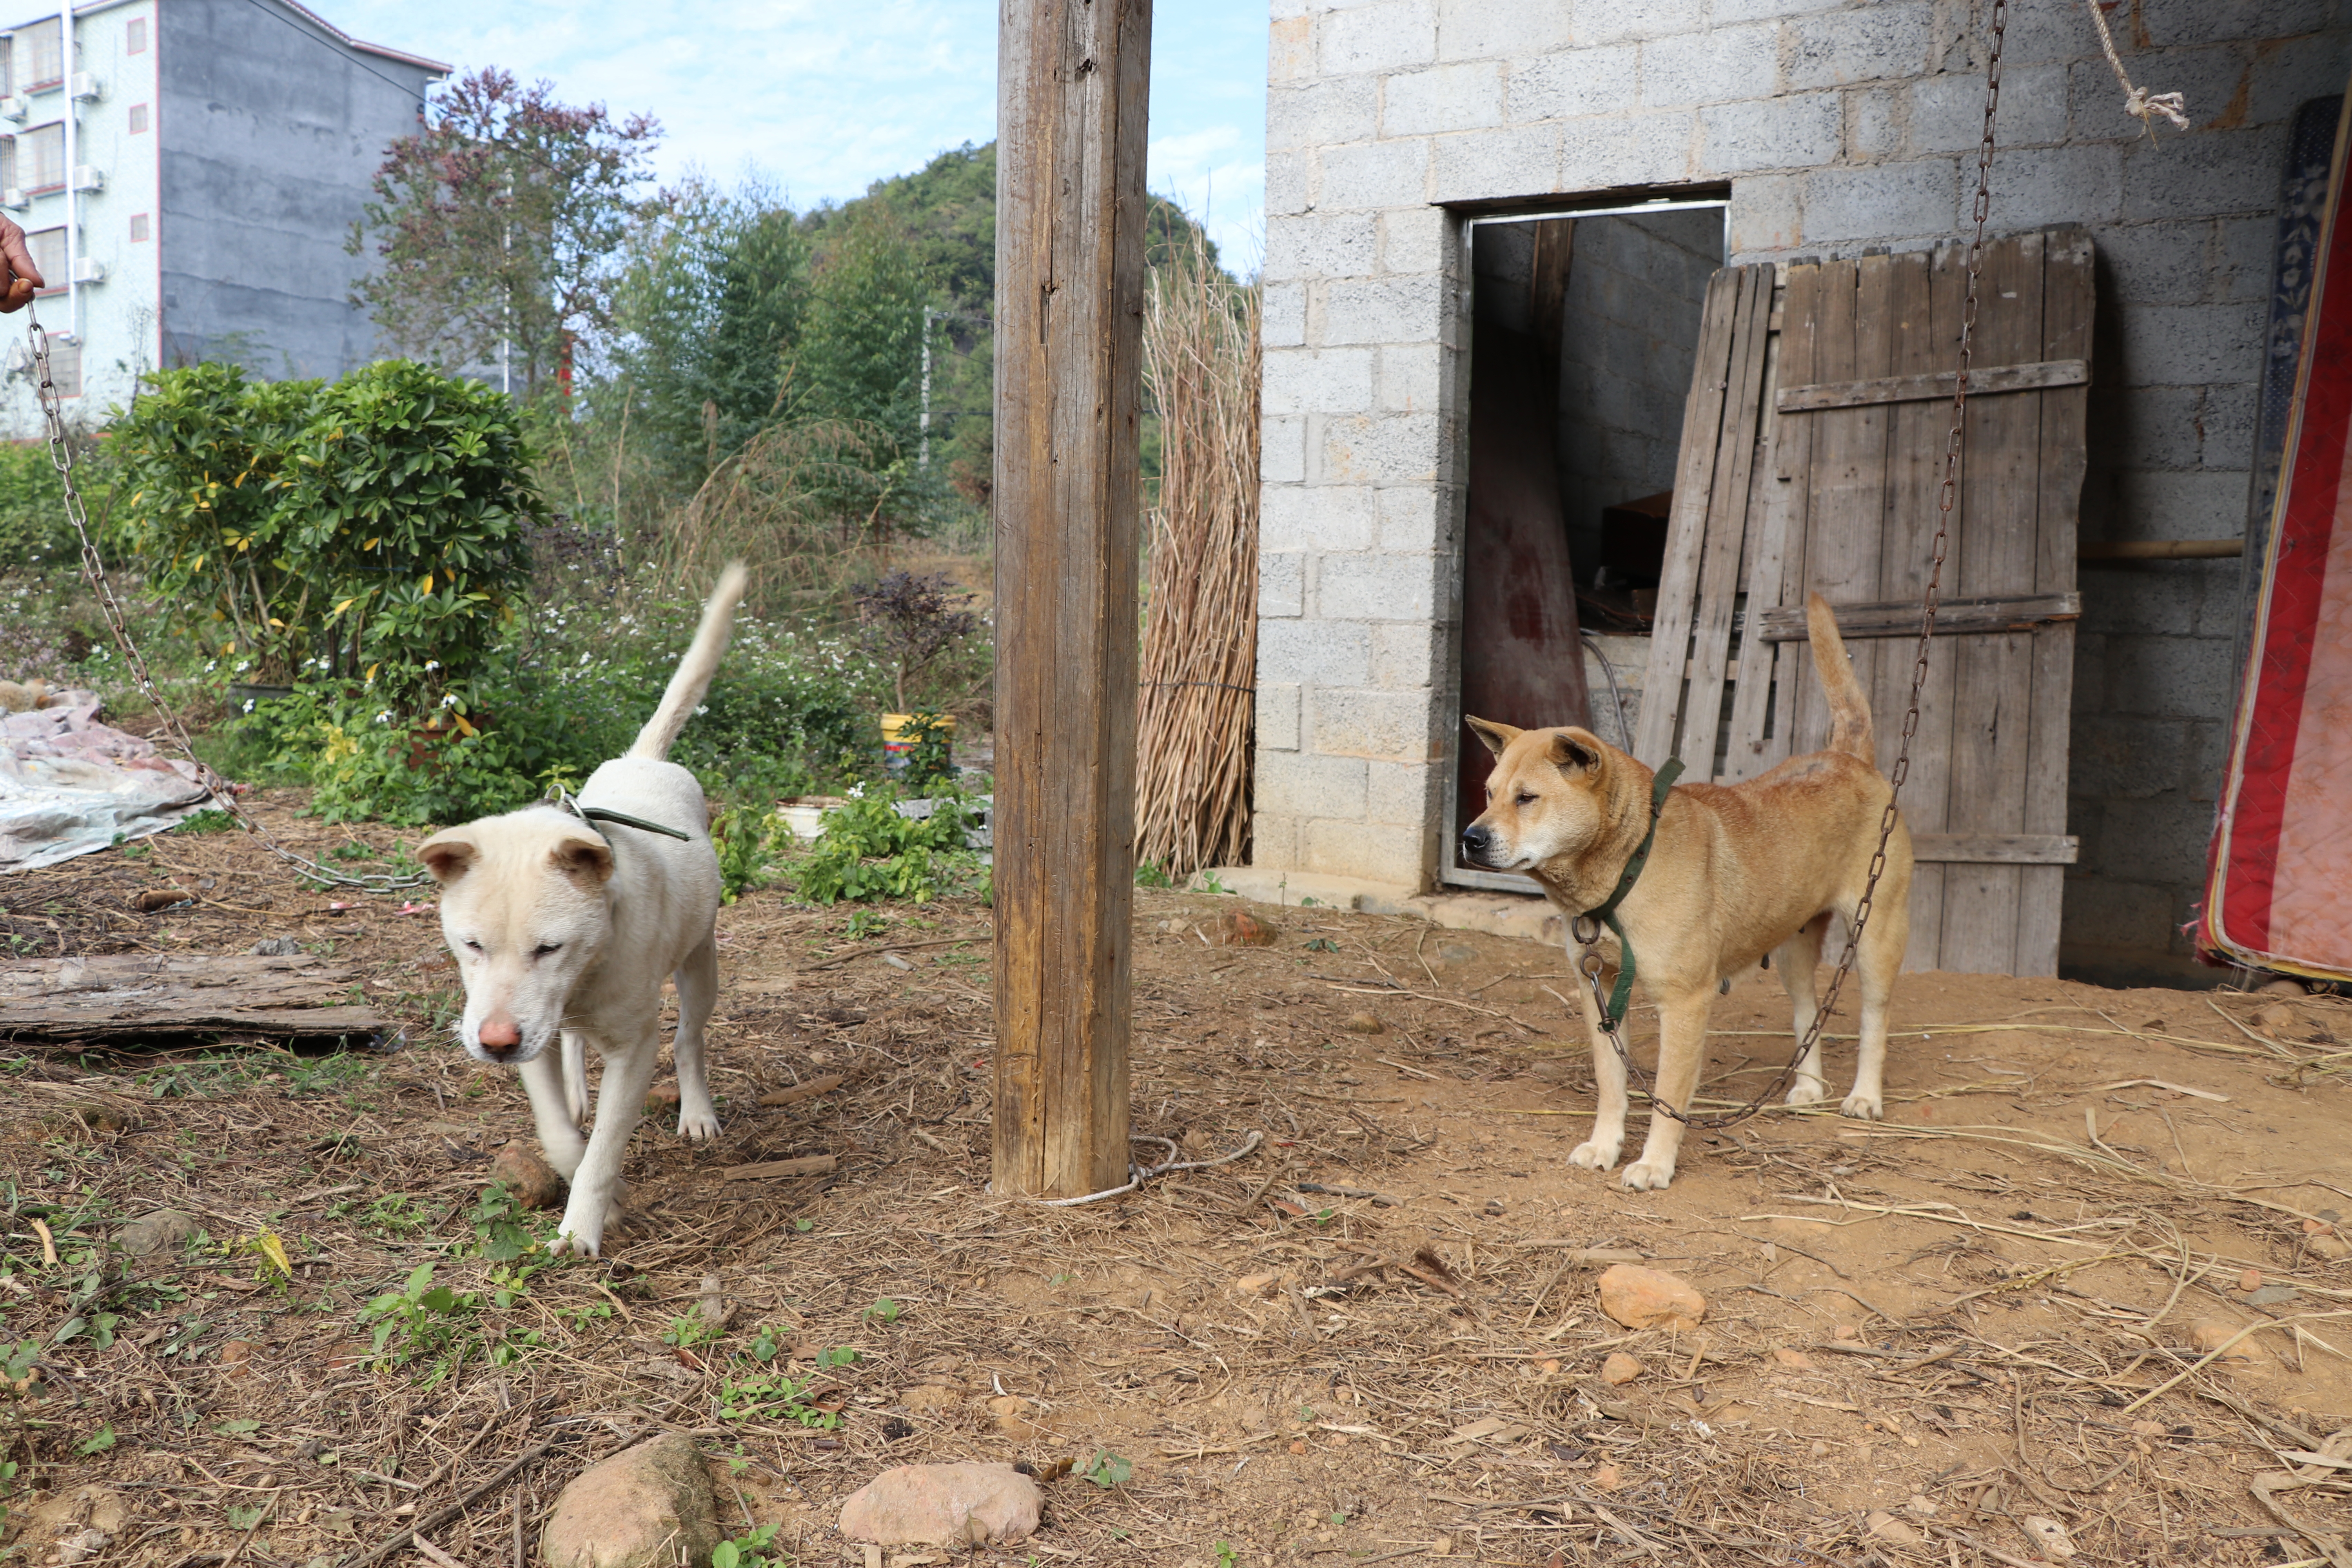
{"points": [[899, 736]]}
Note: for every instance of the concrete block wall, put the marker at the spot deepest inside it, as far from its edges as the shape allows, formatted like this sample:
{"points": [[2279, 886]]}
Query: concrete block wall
{"points": [[1636, 290], [1836, 127]]}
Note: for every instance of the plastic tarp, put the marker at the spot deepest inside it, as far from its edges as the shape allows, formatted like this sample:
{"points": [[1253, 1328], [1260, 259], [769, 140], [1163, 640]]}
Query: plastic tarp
{"points": [[70, 784], [2279, 889]]}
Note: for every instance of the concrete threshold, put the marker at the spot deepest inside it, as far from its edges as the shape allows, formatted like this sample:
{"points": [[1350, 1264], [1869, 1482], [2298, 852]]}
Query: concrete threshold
{"points": [[1529, 917]]}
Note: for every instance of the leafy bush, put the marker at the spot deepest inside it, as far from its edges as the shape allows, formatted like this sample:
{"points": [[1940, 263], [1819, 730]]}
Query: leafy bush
{"points": [[33, 527], [373, 528], [868, 851]]}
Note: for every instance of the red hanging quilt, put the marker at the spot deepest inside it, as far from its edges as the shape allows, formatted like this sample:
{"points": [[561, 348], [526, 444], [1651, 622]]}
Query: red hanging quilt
{"points": [[2279, 880]]}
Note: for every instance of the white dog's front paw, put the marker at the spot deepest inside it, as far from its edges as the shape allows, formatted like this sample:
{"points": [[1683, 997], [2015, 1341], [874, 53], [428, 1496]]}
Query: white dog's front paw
{"points": [[1807, 1091], [578, 1244], [1649, 1175], [1863, 1106], [1596, 1155], [698, 1126]]}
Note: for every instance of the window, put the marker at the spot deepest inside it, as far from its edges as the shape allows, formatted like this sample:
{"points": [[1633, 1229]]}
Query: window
{"points": [[138, 227], [49, 249], [7, 163], [138, 119], [134, 36], [35, 59], [41, 158]]}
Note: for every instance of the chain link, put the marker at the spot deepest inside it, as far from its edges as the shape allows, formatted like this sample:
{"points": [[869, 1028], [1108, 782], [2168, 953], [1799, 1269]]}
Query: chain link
{"points": [[1591, 963], [94, 568]]}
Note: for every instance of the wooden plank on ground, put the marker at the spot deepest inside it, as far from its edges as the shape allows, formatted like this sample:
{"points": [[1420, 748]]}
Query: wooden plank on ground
{"points": [[1695, 477], [1934, 386], [134, 996], [1900, 617]]}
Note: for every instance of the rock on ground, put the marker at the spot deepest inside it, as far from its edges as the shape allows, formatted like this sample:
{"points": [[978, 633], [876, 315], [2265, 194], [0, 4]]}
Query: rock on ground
{"points": [[164, 1232], [531, 1180], [943, 1505], [1650, 1298], [646, 1507], [1621, 1367]]}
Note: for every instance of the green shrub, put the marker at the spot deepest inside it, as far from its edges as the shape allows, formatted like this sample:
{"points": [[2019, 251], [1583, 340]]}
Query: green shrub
{"points": [[373, 528], [33, 527], [868, 851]]}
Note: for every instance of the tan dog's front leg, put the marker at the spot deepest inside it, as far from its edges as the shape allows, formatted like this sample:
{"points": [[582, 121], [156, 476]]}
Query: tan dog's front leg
{"points": [[1682, 1048], [627, 1074], [1600, 1151]]}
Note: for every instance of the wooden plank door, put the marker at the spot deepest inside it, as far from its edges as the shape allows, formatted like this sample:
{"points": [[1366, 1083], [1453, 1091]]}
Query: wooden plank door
{"points": [[1845, 423]]}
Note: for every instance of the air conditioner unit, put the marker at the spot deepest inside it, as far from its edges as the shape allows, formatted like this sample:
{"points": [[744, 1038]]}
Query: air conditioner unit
{"points": [[89, 177], [89, 269], [16, 106], [87, 86], [15, 199]]}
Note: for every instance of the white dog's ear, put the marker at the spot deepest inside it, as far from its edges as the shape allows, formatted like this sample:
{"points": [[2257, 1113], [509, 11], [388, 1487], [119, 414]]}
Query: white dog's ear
{"points": [[1575, 749], [585, 859], [1497, 736], [449, 854]]}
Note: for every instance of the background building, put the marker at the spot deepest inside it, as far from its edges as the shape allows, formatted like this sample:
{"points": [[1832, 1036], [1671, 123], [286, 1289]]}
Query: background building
{"points": [[221, 152]]}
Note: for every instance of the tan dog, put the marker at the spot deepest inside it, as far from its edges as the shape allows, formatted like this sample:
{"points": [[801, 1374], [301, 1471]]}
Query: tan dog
{"points": [[1737, 871], [560, 927]]}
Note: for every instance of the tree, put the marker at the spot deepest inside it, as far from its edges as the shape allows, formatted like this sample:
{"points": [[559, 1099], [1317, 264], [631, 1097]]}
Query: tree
{"points": [[861, 355], [707, 310], [497, 227]]}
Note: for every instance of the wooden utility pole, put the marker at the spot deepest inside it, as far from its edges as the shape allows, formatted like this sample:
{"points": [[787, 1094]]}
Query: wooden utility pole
{"points": [[1072, 83]]}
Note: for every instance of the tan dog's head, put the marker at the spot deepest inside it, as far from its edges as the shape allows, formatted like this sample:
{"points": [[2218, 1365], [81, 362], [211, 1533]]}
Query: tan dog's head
{"points": [[524, 909], [1545, 797]]}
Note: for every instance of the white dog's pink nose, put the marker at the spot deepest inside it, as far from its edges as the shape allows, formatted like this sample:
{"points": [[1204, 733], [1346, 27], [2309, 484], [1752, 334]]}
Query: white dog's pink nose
{"points": [[500, 1035]]}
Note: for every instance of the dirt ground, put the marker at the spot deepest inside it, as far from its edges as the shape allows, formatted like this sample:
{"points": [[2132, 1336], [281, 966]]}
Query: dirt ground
{"points": [[1377, 1338]]}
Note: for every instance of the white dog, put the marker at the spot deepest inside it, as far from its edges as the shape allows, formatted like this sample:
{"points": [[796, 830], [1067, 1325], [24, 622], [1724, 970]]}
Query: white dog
{"points": [[559, 927]]}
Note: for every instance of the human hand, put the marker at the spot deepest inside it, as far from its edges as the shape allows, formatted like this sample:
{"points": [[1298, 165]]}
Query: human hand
{"points": [[23, 279]]}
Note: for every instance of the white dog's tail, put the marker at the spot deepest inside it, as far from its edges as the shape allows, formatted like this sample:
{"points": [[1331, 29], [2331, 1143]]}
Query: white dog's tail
{"points": [[694, 670]]}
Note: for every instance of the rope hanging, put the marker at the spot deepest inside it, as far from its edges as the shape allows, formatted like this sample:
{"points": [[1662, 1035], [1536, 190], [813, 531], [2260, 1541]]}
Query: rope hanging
{"points": [[2138, 102]]}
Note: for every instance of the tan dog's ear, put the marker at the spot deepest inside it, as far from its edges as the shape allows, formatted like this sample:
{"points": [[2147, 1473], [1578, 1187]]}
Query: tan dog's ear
{"points": [[586, 861], [1497, 736], [449, 854], [1573, 750]]}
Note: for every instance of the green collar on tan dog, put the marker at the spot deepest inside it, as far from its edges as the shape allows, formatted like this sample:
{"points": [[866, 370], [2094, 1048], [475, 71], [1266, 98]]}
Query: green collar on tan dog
{"points": [[1606, 913]]}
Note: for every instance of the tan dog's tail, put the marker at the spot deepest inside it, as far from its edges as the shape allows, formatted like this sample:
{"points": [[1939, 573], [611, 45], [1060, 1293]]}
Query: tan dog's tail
{"points": [[1849, 708], [694, 670]]}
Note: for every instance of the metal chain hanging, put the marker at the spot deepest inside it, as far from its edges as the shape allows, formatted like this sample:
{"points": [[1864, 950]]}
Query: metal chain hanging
{"points": [[1592, 964], [94, 569]]}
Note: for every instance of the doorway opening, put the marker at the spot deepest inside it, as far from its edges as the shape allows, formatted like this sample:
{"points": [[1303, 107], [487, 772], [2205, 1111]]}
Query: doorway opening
{"points": [[1583, 327]]}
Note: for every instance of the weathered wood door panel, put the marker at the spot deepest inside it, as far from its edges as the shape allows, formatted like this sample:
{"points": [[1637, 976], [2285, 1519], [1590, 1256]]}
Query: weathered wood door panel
{"points": [[1835, 489]]}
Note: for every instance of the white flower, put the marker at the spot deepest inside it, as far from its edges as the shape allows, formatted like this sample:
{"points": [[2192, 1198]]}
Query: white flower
{"points": [[431, 664], [248, 704], [385, 717], [242, 665], [448, 700], [856, 791], [211, 665]]}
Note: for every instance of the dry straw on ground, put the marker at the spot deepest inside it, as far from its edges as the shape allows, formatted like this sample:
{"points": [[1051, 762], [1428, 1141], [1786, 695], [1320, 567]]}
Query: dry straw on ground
{"points": [[1199, 636]]}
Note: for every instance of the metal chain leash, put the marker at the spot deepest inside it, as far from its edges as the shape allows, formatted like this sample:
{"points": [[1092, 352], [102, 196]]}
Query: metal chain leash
{"points": [[94, 569], [1592, 964]]}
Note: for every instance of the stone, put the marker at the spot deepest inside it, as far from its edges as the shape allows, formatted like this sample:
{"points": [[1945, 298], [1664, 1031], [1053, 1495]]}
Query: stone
{"points": [[1650, 1298], [528, 1179], [2049, 1537], [1609, 1478], [928, 1398], [2282, 986], [1364, 1024], [2333, 1247], [276, 947], [646, 1507], [1239, 929], [1795, 1360], [237, 1358], [943, 1505], [2251, 1280], [2210, 1334], [2278, 1018], [2319, 1226], [165, 1232], [1621, 1368], [1885, 1526], [1262, 1286]]}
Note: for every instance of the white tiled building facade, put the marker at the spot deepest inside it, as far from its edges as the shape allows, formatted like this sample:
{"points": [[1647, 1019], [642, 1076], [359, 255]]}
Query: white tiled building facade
{"points": [[1832, 127]]}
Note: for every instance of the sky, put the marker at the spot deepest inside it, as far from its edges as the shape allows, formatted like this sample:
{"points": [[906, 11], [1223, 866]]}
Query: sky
{"points": [[822, 97]]}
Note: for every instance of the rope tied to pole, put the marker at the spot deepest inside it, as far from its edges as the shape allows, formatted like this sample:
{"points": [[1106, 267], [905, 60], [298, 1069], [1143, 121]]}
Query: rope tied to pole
{"points": [[2138, 102]]}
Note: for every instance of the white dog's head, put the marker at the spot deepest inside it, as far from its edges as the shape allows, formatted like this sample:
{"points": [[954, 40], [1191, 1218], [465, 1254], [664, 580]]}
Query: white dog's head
{"points": [[525, 911]]}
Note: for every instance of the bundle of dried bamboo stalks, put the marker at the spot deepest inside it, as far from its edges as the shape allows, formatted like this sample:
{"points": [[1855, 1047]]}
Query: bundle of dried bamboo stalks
{"points": [[1200, 636]]}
